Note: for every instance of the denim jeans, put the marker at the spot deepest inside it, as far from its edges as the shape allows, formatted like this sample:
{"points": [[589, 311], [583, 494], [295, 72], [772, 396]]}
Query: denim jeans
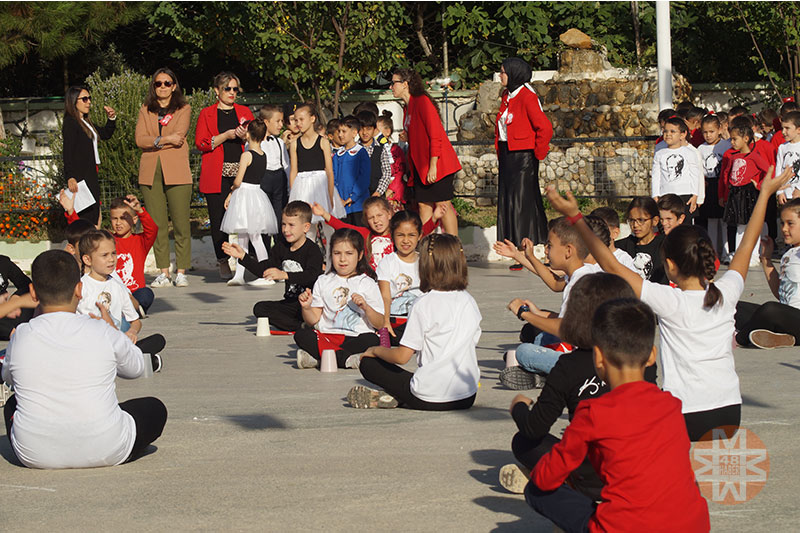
{"points": [[536, 357], [145, 297]]}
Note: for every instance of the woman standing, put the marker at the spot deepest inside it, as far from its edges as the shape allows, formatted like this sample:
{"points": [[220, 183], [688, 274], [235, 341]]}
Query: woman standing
{"points": [[164, 174], [220, 137], [80, 136], [522, 139], [433, 161]]}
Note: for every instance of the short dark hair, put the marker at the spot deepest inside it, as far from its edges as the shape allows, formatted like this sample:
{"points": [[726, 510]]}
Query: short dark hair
{"points": [[257, 129], [568, 234], [679, 122], [332, 126], [738, 110], [711, 119], [298, 208], [267, 110], [664, 114], [351, 122], [695, 113], [367, 118], [77, 229], [792, 117], [585, 297], [786, 107], [608, 214], [366, 106], [119, 203], [624, 329], [792, 205], [55, 274], [599, 228], [442, 265], [673, 204], [645, 203]]}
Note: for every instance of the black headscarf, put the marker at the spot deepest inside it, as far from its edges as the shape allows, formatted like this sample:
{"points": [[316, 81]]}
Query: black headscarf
{"points": [[519, 72]]}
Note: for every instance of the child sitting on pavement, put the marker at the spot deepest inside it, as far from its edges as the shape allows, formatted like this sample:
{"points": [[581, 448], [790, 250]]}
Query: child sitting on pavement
{"points": [[132, 248]]}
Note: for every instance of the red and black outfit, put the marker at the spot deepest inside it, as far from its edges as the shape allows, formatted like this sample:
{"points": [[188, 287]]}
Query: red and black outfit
{"points": [[426, 139], [215, 184], [739, 182]]}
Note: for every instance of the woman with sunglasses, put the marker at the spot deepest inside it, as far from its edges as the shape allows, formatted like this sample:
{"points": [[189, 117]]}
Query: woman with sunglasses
{"points": [[165, 178], [522, 139], [220, 133], [80, 153]]}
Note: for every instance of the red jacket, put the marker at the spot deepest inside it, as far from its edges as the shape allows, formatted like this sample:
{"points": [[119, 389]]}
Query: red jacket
{"points": [[777, 140], [211, 160], [526, 124], [132, 252], [427, 138]]}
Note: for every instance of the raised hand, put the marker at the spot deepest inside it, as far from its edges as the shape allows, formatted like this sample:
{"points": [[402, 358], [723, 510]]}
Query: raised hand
{"points": [[133, 203], [66, 201], [305, 299], [233, 250], [507, 249], [566, 206]]}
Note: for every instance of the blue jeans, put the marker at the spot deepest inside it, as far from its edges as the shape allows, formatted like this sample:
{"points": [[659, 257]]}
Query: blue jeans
{"points": [[537, 357], [145, 297], [565, 507]]}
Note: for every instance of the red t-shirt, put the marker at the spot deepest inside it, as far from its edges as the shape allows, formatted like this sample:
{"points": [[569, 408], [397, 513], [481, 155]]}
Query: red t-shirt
{"points": [[697, 137], [738, 169], [132, 252], [635, 437]]}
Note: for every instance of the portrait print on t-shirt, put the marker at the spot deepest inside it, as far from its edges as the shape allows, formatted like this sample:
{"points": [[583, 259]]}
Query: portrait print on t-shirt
{"points": [[738, 172], [675, 164], [792, 159], [346, 318], [644, 264], [711, 165], [405, 298], [125, 268], [380, 246]]}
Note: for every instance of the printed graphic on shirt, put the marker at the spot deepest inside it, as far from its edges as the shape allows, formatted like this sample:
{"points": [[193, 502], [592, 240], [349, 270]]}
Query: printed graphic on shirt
{"points": [[104, 299], [644, 264], [381, 246], [125, 269], [787, 288], [592, 386], [792, 159], [287, 266], [346, 318], [3, 284], [675, 164], [711, 165], [404, 301], [738, 171]]}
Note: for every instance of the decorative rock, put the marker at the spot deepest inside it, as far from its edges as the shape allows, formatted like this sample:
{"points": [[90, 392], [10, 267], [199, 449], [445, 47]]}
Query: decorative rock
{"points": [[489, 97], [575, 38]]}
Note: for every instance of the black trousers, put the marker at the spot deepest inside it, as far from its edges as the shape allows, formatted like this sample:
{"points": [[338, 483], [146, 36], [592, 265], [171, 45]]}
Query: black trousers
{"points": [[701, 422], [397, 382], [274, 185], [398, 331], [520, 210], [306, 339], [216, 210], [773, 316], [584, 479], [149, 414], [91, 213], [152, 344], [285, 315]]}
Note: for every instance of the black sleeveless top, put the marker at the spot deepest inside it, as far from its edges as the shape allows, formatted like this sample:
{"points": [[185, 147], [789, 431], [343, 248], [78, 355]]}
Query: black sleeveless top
{"points": [[255, 170], [309, 159]]}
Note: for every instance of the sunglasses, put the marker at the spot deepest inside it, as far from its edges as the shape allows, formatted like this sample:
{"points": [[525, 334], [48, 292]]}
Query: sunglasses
{"points": [[160, 83], [229, 89], [85, 99]]}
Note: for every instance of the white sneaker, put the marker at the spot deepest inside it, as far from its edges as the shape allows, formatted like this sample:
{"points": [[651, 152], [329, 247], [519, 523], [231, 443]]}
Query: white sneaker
{"points": [[513, 479], [181, 280], [261, 282], [353, 361], [304, 360], [235, 282], [161, 281]]}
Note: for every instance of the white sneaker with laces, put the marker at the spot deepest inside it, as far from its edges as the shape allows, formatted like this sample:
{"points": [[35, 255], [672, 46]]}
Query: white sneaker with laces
{"points": [[235, 282], [261, 282], [181, 280], [161, 281], [304, 360], [353, 361]]}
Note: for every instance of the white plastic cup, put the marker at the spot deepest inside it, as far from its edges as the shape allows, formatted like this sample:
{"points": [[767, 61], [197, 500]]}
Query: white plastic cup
{"points": [[511, 358], [262, 328], [328, 363], [148, 365]]}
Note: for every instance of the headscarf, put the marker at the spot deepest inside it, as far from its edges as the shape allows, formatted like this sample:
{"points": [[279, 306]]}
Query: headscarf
{"points": [[519, 72]]}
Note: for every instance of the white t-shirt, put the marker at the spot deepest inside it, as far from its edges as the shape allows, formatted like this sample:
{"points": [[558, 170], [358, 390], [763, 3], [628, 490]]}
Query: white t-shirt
{"points": [[403, 279], [63, 367], [677, 171], [789, 156], [696, 343], [587, 268], [444, 328], [111, 293], [789, 287], [334, 294], [711, 157], [625, 259], [277, 154]]}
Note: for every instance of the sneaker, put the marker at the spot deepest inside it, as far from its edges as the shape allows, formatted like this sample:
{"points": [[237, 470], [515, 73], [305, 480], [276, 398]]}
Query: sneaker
{"points": [[513, 479], [157, 364], [224, 269], [353, 361], [142, 312], [767, 340], [516, 267], [517, 378], [235, 282], [362, 397], [261, 282], [161, 281], [304, 360], [181, 280]]}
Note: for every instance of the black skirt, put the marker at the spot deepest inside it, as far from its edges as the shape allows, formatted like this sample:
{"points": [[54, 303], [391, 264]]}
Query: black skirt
{"points": [[711, 207], [740, 204], [441, 191], [520, 210]]}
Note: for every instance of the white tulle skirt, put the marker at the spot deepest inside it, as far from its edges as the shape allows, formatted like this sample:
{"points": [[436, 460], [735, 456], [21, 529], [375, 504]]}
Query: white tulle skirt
{"points": [[312, 187], [249, 211]]}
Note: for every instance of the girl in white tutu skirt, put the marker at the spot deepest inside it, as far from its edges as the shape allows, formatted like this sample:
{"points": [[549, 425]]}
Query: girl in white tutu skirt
{"points": [[311, 176], [248, 211]]}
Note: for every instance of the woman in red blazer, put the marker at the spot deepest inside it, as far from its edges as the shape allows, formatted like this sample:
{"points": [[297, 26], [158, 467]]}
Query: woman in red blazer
{"points": [[220, 137], [432, 159], [522, 139]]}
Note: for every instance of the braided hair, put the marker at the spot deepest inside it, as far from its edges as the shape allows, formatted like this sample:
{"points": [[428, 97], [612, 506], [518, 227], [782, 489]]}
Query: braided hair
{"points": [[690, 248]]}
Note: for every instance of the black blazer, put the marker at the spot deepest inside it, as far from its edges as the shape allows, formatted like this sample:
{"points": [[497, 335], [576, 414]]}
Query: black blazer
{"points": [[78, 152]]}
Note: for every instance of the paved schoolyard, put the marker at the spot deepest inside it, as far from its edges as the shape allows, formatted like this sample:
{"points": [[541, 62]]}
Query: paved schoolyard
{"points": [[252, 443]]}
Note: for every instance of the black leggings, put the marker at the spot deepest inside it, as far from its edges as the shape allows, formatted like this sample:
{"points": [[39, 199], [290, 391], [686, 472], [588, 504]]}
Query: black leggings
{"points": [[284, 315], [216, 210], [701, 422], [149, 414], [773, 316], [397, 382], [306, 339]]}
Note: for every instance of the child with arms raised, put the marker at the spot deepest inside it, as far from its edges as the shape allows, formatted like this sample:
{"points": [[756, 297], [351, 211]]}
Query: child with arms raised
{"points": [[648, 486], [344, 309], [443, 329], [696, 318], [64, 413], [132, 248], [298, 262]]}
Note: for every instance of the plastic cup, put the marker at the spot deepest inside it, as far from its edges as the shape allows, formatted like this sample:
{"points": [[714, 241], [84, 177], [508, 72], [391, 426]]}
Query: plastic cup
{"points": [[511, 358], [328, 363], [262, 328], [148, 366]]}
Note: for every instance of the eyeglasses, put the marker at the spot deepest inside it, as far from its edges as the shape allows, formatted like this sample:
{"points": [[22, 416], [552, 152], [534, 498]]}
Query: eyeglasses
{"points": [[229, 89], [160, 83], [638, 221], [85, 99], [395, 81]]}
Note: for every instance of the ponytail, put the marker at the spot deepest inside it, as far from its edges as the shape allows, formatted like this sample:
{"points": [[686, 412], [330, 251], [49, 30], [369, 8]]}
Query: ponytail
{"points": [[693, 254]]}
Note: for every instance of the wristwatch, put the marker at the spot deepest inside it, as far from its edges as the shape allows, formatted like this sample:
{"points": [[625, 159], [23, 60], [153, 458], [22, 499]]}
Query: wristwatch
{"points": [[524, 308]]}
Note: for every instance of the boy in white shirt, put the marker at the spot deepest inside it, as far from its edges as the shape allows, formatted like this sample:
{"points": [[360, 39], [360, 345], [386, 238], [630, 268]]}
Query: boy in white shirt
{"points": [[65, 412], [789, 156], [676, 168]]}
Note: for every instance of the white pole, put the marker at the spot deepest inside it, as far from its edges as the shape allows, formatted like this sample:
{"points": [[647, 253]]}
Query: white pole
{"points": [[664, 52]]}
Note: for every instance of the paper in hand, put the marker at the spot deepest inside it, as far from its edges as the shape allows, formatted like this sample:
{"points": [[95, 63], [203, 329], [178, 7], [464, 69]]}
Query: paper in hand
{"points": [[83, 198]]}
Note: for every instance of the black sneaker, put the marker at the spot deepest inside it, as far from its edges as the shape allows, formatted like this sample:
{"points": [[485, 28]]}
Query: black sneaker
{"points": [[517, 378], [157, 364]]}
